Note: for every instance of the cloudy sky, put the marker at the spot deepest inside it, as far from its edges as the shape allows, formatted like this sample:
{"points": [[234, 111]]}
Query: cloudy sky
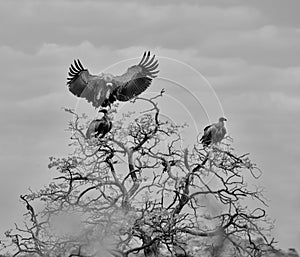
{"points": [[248, 51]]}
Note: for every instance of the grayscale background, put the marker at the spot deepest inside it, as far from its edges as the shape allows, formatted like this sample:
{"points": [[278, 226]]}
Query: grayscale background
{"points": [[249, 51]]}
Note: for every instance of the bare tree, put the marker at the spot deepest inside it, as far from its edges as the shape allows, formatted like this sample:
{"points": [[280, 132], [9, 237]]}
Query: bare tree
{"points": [[137, 192]]}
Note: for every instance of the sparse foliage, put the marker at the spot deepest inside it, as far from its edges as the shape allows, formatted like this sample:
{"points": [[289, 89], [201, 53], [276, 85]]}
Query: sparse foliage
{"points": [[137, 192]]}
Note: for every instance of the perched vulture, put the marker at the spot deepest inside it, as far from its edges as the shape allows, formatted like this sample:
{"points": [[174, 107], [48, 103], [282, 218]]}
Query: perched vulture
{"points": [[100, 127], [102, 90], [214, 133]]}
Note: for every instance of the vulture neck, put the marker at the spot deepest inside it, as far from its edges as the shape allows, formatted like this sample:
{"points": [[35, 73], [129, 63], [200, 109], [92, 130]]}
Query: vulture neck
{"points": [[105, 116], [220, 124]]}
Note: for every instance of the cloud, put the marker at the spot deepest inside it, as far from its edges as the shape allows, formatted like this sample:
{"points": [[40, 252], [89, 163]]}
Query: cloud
{"points": [[232, 30], [69, 22], [267, 45], [284, 102]]}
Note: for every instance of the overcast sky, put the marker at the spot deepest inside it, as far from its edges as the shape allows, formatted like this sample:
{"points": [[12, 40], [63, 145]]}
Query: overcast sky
{"points": [[247, 50]]}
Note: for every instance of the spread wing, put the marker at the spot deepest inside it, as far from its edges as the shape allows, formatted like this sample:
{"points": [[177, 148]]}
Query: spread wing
{"points": [[82, 84], [136, 79]]}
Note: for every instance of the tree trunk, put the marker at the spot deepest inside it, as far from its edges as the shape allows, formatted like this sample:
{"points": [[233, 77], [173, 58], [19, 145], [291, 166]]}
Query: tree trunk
{"points": [[152, 249]]}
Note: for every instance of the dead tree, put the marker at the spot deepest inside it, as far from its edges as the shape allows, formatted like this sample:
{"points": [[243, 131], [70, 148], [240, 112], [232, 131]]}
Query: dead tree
{"points": [[137, 192]]}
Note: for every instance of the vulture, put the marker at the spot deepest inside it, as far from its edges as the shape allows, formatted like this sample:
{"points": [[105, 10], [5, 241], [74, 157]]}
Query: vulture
{"points": [[102, 90], [100, 127], [214, 133]]}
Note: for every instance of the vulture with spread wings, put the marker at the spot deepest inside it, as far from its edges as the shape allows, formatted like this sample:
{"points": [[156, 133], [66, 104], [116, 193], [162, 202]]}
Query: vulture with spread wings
{"points": [[102, 90], [214, 133]]}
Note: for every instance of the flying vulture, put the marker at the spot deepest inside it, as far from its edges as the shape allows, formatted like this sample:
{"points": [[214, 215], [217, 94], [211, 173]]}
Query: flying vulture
{"points": [[102, 90], [214, 133], [100, 127]]}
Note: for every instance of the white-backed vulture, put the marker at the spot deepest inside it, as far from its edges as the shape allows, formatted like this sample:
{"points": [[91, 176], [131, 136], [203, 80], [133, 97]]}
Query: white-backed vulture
{"points": [[98, 128], [214, 133], [102, 90]]}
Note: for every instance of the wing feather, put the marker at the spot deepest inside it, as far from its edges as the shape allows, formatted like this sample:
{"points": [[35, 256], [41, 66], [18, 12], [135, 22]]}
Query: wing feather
{"points": [[91, 129], [206, 128], [209, 135], [82, 84], [98, 128], [77, 65], [126, 93], [78, 79], [102, 91], [145, 58], [136, 79]]}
